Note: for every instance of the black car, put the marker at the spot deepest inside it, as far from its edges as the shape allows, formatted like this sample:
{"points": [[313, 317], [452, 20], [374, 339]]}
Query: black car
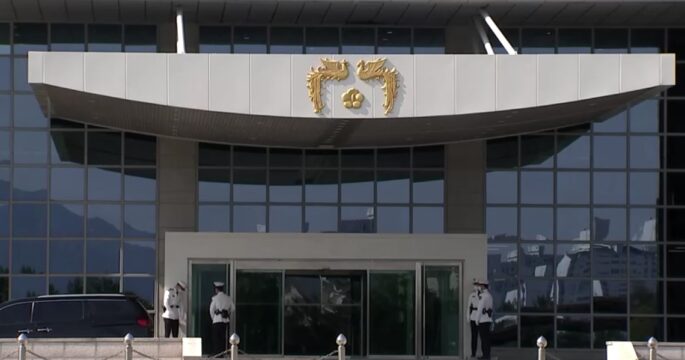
{"points": [[64, 316]]}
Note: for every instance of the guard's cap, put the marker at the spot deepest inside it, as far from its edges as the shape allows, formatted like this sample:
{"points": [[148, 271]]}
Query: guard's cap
{"points": [[475, 281], [181, 284], [218, 284], [483, 282]]}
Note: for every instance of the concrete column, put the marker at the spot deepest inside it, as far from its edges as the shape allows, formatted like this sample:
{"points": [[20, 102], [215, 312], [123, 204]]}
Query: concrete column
{"points": [[463, 39], [177, 163], [465, 187]]}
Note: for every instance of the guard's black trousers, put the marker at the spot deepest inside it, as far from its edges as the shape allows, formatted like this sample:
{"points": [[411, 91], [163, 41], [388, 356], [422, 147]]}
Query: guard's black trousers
{"points": [[474, 338], [219, 337], [170, 327], [484, 330]]}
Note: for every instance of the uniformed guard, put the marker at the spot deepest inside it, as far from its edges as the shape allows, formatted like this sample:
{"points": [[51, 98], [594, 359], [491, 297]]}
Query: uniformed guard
{"points": [[484, 318], [472, 315], [173, 308], [220, 310]]}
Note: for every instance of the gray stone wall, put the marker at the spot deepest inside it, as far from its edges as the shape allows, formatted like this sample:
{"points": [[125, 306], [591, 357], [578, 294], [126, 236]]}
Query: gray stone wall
{"points": [[93, 349]]}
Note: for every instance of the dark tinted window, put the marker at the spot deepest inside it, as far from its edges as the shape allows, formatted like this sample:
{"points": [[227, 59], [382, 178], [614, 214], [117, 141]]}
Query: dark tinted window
{"points": [[17, 313], [109, 310], [58, 311]]}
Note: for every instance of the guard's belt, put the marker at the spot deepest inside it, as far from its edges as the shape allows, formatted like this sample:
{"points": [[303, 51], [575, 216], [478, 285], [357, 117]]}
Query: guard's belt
{"points": [[489, 312], [472, 309], [223, 313]]}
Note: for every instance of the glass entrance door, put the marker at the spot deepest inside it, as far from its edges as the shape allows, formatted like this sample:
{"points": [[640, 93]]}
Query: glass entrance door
{"points": [[441, 310], [202, 280]]}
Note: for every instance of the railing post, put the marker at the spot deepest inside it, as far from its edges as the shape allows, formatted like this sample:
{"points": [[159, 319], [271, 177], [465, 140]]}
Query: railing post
{"points": [[341, 340], [652, 344], [542, 344], [22, 340], [234, 340], [128, 342]]}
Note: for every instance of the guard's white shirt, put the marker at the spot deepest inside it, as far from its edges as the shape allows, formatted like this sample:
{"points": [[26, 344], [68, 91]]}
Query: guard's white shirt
{"points": [[484, 307], [472, 310], [172, 304], [220, 301]]}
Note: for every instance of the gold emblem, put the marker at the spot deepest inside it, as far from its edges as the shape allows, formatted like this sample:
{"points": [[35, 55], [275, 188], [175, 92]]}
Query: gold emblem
{"points": [[352, 98], [331, 70], [375, 69]]}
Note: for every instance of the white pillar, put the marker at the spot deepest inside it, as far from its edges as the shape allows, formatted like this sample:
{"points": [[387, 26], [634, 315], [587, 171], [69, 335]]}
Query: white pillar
{"points": [[180, 37], [493, 27]]}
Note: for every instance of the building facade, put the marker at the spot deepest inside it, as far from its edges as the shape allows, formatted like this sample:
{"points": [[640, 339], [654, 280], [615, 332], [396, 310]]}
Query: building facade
{"points": [[336, 192]]}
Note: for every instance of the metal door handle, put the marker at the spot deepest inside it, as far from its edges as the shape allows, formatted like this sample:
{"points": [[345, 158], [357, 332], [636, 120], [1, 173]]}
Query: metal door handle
{"points": [[24, 331], [47, 329]]}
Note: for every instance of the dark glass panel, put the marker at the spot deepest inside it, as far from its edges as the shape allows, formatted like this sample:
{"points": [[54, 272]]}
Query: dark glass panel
{"points": [[249, 218], [676, 44], [537, 187], [674, 255], [675, 230], [609, 296], [536, 260], [26, 108], [573, 187], [505, 333], [573, 151], [358, 40], [645, 189], [502, 153], [67, 37], [678, 89], [66, 256], [249, 185], [609, 152], [501, 187], [394, 41], [501, 223], [321, 219], [321, 186], [647, 116], [615, 123], [259, 311], [140, 38], [215, 39], [321, 158], [646, 261], [392, 219], [675, 297], [357, 158], [441, 310], [214, 155], [302, 289], [104, 220], [29, 220], [27, 112], [537, 151], [357, 219], [642, 328], [140, 184], [572, 260], [104, 38], [676, 116], [502, 261], [285, 186], [4, 221], [391, 313], [676, 145], [4, 184], [258, 287], [4, 147], [573, 224], [646, 297], [143, 288], [357, 186], [214, 218], [308, 327], [428, 220], [104, 148], [429, 41], [140, 150], [512, 34], [59, 285], [104, 183], [140, 221], [5, 82], [573, 295], [533, 327], [428, 187], [67, 147], [645, 152], [609, 188], [575, 41], [102, 285], [30, 184], [536, 295], [285, 219], [537, 223], [611, 41], [322, 40], [504, 295], [573, 331], [214, 185], [650, 41], [5, 49], [4, 287], [27, 286], [30, 37], [537, 41], [285, 158], [643, 224], [249, 156], [140, 257], [394, 158], [67, 183], [429, 157], [30, 147], [29, 256], [609, 224], [249, 39], [609, 329], [286, 40], [676, 329], [66, 220], [609, 260], [102, 256], [4, 107], [392, 187]]}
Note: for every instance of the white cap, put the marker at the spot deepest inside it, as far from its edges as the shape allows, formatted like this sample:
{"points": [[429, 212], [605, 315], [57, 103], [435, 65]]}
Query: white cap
{"points": [[483, 282], [218, 284], [181, 284]]}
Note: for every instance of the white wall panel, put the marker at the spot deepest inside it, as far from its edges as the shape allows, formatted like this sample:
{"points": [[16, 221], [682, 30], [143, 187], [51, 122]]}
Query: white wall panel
{"points": [[599, 75], [106, 74], [189, 80], [435, 87], [229, 81], [476, 89], [516, 82], [639, 71], [270, 85], [557, 79], [146, 78]]}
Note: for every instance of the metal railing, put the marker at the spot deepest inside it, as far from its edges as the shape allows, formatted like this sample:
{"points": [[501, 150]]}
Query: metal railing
{"points": [[128, 351], [234, 351], [652, 344]]}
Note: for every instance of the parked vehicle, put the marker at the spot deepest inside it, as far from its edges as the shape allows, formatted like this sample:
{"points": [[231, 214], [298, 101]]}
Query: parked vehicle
{"points": [[65, 316]]}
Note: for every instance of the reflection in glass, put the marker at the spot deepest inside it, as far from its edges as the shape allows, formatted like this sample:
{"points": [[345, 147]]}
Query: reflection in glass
{"points": [[643, 224], [646, 116], [258, 311], [30, 147], [536, 260], [139, 257], [59, 285], [609, 152], [537, 223], [285, 218], [30, 184], [358, 40], [609, 296], [214, 218], [286, 40], [249, 39], [504, 295], [140, 184], [357, 219], [321, 219], [4, 184], [249, 185], [393, 219], [67, 147], [646, 297], [573, 187], [611, 41], [4, 220], [357, 158], [428, 220], [501, 187], [573, 151], [645, 152], [140, 150], [285, 158], [573, 331], [537, 295], [615, 123], [394, 41], [573, 295], [67, 37], [29, 220], [392, 187], [609, 260], [442, 313], [502, 153], [104, 148], [104, 220], [505, 333], [572, 260], [393, 158], [609, 224], [357, 186], [537, 187], [104, 38], [573, 224], [29, 256], [66, 220], [249, 218], [140, 38], [321, 186], [140, 221], [537, 151], [27, 112], [285, 186], [502, 261], [642, 328], [214, 185], [609, 188], [645, 261], [102, 256], [5, 85], [27, 286], [646, 41], [391, 312], [21, 83], [322, 40], [66, 256], [575, 41], [501, 224], [429, 41], [104, 183], [215, 39], [645, 188], [214, 155], [102, 285], [428, 187], [67, 183], [143, 287], [533, 327], [609, 329], [321, 158], [4, 146]]}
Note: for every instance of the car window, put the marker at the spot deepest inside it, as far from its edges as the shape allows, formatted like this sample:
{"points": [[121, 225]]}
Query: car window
{"points": [[105, 310], [14, 314], [58, 311]]}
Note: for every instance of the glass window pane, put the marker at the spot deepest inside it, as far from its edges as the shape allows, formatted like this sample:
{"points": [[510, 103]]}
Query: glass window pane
{"points": [[249, 39], [322, 40], [573, 151], [574, 295], [392, 187], [104, 148], [215, 39], [502, 261], [67, 147], [140, 150], [26, 106], [361, 158], [645, 188], [676, 145], [642, 328], [573, 187], [358, 41], [643, 224], [429, 156], [646, 261], [646, 297], [609, 329], [5, 85], [249, 185], [143, 288], [104, 38], [502, 153], [4, 184], [611, 41], [285, 219], [675, 299], [429, 41], [104, 183], [575, 41], [140, 38], [676, 112], [67, 183], [537, 187], [609, 188], [647, 41], [29, 220], [66, 256], [30, 37], [4, 147], [321, 159], [258, 311], [214, 218], [428, 187], [4, 104], [609, 296], [678, 89], [573, 332], [140, 221], [394, 158], [647, 116], [428, 220], [512, 34], [536, 260], [645, 152], [676, 329], [442, 313], [501, 224], [391, 312], [5, 50], [394, 41], [285, 158], [505, 295], [357, 186], [67, 37], [102, 256], [609, 260], [572, 260], [27, 286], [214, 155], [59, 285], [537, 151], [322, 219], [285, 186], [249, 218], [29, 256], [249, 156], [357, 219], [140, 184], [505, 333], [675, 261], [30, 147], [286, 40], [393, 219], [214, 185], [66, 220], [4, 221], [537, 41], [609, 224], [102, 285], [676, 225], [536, 296], [501, 187], [616, 123], [321, 186], [537, 223], [573, 224], [30, 184], [609, 152], [140, 257], [104, 220]]}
